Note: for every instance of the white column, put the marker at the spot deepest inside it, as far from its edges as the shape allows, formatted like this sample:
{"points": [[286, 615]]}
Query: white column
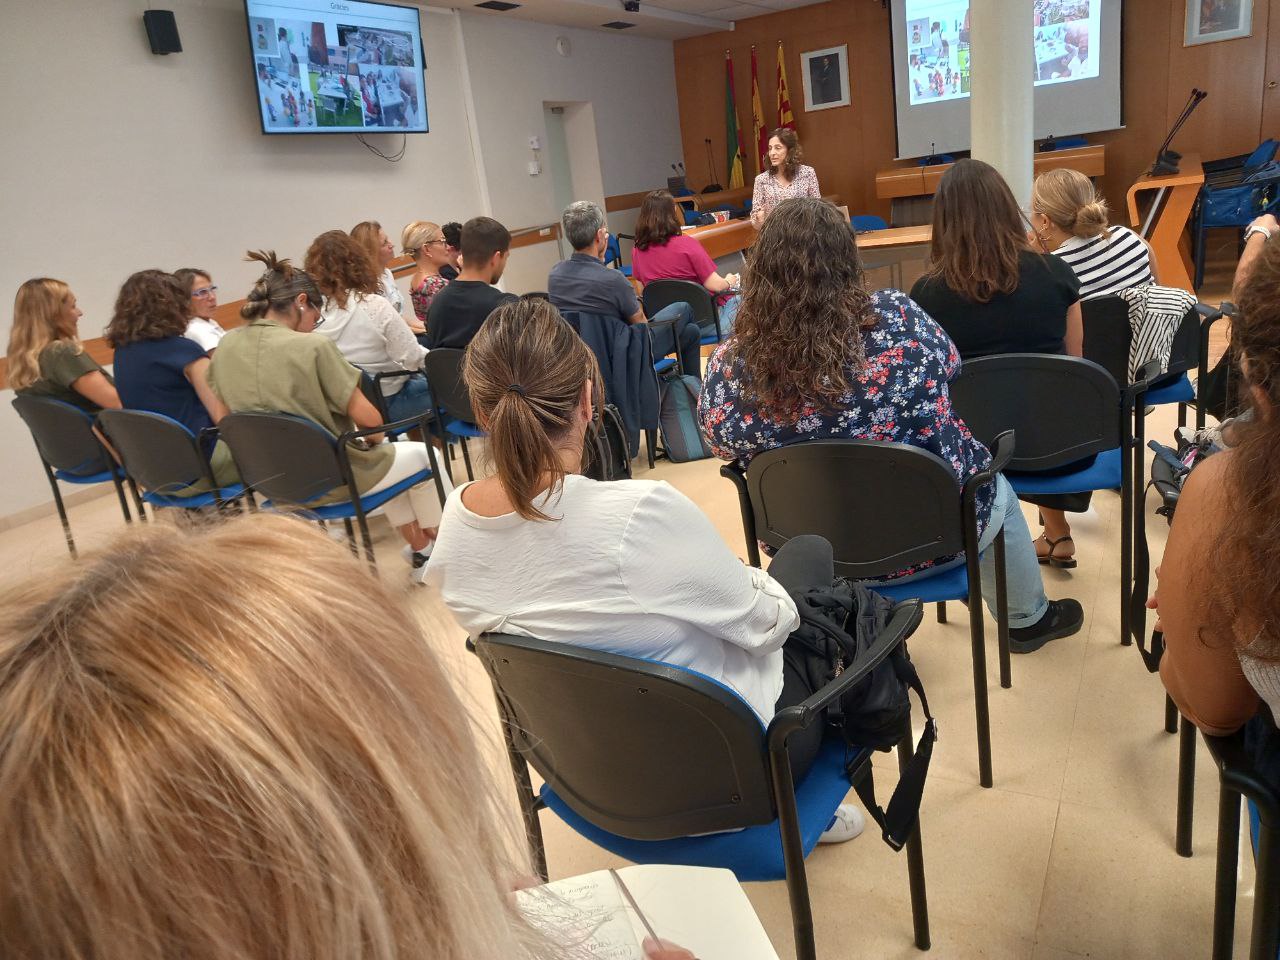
{"points": [[1002, 83]]}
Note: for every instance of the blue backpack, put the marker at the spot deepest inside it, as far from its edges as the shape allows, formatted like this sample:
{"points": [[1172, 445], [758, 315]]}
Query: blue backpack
{"points": [[678, 418]]}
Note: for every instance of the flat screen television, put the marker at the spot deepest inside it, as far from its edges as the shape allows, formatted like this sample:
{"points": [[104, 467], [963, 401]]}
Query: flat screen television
{"points": [[337, 66]]}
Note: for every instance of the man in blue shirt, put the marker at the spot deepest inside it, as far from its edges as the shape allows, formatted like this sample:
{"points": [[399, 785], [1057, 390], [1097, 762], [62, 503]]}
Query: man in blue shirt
{"points": [[585, 285]]}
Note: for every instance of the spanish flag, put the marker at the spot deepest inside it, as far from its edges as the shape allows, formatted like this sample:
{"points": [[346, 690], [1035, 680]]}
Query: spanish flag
{"points": [[732, 136], [785, 117], [759, 133]]}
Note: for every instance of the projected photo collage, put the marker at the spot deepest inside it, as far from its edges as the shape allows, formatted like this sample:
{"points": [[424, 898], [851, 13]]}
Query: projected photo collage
{"points": [[938, 50], [318, 76]]}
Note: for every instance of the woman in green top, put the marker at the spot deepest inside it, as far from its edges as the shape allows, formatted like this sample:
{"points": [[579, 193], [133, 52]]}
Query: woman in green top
{"points": [[46, 358], [274, 364]]}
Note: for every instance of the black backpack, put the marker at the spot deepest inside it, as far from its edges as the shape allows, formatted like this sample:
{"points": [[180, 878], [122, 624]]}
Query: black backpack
{"points": [[839, 627], [606, 448]]}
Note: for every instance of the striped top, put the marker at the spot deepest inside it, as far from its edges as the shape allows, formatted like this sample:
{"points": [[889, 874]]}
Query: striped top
{"points": [[1107, 264]]}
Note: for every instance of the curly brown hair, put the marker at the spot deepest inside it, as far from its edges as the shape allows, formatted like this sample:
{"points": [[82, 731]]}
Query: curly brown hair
{"points": [[788, 138], [151, 305], [1247, 555], [340, 266], [799, 328]]}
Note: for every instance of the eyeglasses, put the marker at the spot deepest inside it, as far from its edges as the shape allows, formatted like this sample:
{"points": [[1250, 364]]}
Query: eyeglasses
{"points": [[203, 292]]}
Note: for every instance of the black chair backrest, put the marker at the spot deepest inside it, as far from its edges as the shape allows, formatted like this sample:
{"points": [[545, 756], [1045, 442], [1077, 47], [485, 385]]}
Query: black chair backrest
{"points": [[660, 294], [1106, 336], [285, 458], [63, 434], [1184, 353], [444, 373], [641, 749], [158, 452], [1063, 409], [883, 506]]}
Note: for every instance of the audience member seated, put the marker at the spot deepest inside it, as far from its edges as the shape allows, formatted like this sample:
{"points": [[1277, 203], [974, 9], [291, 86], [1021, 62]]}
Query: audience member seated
{"points": [[815, 357], [1070, 219], [202, 327], [1256, 236], [161, 370], [364, 325], [453, 239], [1218, 598], [370, 235], [585, 285], [629, 566], [992, 294], [663, 252], [459, 309], [423, 241], [46, 358], [786, 177], [269, 366], [230, 741]]}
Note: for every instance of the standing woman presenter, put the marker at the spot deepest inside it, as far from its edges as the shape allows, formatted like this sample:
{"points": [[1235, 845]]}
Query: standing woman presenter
{"points": [[786, 177]]}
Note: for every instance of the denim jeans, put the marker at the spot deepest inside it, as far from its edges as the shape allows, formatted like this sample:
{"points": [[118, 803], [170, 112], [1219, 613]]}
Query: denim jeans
{"points": [[1027, 602], [728, 314], [665, 337], [411, 400]]}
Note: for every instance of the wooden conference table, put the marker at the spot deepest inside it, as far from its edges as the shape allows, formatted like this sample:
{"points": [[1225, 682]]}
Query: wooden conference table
{"points": [[913, 180]]}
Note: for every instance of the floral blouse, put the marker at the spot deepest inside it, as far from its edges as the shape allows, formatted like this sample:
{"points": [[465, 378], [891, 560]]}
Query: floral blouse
{"points": [[900, 396], [425, 293], [769, 191]]}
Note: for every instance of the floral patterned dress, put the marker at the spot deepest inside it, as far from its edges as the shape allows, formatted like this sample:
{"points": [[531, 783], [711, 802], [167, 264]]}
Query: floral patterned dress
{"points": [[425, 293], [900, 396]]}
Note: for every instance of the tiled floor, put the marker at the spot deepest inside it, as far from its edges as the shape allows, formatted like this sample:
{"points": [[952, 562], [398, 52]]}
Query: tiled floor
{"points": [[1071, 853]]}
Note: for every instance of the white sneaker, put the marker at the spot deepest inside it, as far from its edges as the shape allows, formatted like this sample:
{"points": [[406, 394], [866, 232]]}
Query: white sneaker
{"points": [[847, 823], [417, 562]]}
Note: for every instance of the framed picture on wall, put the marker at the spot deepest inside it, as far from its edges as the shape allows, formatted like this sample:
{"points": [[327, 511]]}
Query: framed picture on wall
{"points": [[826, 78], [1209, 21]]}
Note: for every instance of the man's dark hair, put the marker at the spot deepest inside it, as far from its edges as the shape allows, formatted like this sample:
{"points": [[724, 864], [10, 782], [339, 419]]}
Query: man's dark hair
{"points": [[452, 234], [482, 237]]}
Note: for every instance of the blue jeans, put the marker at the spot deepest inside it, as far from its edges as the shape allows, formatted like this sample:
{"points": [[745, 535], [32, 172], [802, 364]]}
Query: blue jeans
{"points": [[728, 314], [683, 336], [1027, 602], [411, 400]]}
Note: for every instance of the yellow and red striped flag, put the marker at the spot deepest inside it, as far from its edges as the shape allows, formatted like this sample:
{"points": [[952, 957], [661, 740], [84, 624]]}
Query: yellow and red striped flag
{"points": [[759, 133], [785, 117], [732, 135]]}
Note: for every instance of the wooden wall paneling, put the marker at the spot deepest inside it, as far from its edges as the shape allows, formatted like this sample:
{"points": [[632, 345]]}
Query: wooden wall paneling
{"points": [[1271, 82]]}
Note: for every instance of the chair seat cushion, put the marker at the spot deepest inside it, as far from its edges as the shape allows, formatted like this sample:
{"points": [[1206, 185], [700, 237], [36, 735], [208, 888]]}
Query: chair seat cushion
{"points": [[369, 502], [752, 854], [1180, 391], [663, 365], [67, 477], [460, 428], [1103, 474], [952, 584], [196, 500]]}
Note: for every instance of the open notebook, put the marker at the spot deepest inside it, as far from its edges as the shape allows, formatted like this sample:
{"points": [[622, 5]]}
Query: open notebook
{"points": [[700, 908]]}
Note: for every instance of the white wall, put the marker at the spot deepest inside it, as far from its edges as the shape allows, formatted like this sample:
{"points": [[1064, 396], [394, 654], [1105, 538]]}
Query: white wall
{"points": [[116, 159]]}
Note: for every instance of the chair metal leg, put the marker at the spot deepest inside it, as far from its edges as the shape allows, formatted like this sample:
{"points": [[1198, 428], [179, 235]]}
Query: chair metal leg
{"points": [[62, 512], [784, 795], [466, 458], [367, 540], [651, 447], [979, 642], [942, 611], [1186, 787], [529, 805], [351, 537], [1126, 547], [1170, 715], [1182, 415], [124, 504], [1002, 613], [1265, 941], [137, 501], [915, 858], [1224, 888]]}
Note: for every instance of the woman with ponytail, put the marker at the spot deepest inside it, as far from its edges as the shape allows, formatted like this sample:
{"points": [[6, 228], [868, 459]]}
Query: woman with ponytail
{"points": [[629, 566], [273, 365], [1070, 220]]}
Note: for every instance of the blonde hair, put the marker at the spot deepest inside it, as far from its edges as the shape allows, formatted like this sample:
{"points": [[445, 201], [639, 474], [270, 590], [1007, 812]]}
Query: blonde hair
{"points": [[1068, 199], [418, 234], [37, 322], [230, 742]]}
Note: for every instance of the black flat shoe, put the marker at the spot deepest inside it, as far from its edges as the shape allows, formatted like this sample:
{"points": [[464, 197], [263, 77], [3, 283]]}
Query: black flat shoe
{"points": [[1062, 619]]}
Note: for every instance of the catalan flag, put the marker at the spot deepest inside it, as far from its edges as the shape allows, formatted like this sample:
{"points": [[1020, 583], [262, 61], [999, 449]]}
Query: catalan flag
{"points": [[732, 136], [759, 132], [785, 117]]}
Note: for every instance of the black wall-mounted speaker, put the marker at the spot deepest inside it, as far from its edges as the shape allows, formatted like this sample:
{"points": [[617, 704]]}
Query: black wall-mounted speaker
{"points": [[162, 31]]}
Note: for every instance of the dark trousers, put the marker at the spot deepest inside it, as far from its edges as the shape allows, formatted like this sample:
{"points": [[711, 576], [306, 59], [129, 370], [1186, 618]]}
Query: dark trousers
{"points": [[802, 563], [683, 336]]}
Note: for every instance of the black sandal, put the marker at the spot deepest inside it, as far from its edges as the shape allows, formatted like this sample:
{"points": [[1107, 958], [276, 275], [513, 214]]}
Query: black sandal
{"points": [[1050, 558]]}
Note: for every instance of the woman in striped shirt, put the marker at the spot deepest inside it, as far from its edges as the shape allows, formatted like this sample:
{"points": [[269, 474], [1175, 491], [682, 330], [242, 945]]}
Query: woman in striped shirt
{"points": [[1070, 220]]}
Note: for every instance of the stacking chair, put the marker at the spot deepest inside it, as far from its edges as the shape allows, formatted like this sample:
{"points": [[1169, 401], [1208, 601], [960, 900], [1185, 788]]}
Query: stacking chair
{"points": [[161, 456], [884, 506], [654, 762], [371, 387], [71, 452], [867, 222], [613, 252], [294, 462], [444, 373], [1064, 410], [660, 294]]}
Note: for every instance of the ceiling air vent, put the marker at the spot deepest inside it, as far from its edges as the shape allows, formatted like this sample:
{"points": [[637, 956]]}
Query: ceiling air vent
{"points": [[617, 25], [499, 5]]}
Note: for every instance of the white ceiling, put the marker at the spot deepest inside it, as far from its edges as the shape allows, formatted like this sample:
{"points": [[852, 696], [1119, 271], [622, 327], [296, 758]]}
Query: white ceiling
{"points": [[667, 19]]}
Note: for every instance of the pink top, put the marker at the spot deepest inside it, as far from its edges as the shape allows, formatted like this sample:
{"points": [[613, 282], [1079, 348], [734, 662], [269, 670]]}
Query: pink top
{"points": [[769, 191], [680, 258]]}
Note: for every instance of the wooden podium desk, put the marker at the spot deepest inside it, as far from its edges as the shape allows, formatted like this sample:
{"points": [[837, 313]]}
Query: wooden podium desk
{"points": [[903, 181], [1159, 208]]}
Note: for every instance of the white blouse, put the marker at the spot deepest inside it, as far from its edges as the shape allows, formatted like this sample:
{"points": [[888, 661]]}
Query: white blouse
{"points": [[631, 567], [391, 291]]}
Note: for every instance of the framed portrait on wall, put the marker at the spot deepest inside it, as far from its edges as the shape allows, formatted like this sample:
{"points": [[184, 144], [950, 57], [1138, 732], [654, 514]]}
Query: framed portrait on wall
{"points": [[1209, 21], [826, 78]]}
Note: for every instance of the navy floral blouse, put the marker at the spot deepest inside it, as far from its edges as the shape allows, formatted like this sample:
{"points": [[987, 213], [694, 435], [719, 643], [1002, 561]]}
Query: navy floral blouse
{"points": [[900, 396]]}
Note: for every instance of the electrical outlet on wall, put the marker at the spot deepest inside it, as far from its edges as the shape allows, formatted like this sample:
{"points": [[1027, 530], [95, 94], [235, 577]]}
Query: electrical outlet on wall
{"points": [[535, 168], [535, 143]]}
